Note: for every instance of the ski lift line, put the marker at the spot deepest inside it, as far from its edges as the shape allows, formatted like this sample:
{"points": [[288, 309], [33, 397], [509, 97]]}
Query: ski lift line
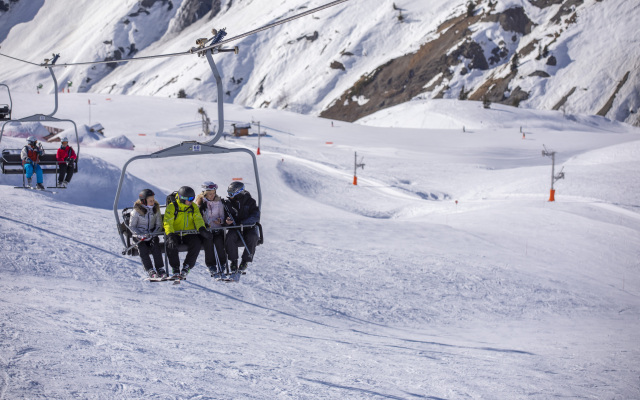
{"points": [[193, 50], [18, 59], [143, 58], [269, 26]]}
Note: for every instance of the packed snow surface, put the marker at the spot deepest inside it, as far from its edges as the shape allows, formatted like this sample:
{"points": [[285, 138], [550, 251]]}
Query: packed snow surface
{"points": [[444, 274]]}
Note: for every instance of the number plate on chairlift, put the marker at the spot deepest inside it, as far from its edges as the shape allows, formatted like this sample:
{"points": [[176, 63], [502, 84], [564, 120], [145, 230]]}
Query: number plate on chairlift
{"points": [[196, 147]]}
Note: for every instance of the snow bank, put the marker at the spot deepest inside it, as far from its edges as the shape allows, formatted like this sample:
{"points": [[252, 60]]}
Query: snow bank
{"points": [[25, 129], [118, 142], [455, 114], [85, 135]]}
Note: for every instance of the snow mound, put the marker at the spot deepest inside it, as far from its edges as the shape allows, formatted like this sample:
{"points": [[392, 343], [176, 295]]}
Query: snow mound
{"points": [[94, 185], [118, 142], [25, 129], [85, 135], [456, 114]]}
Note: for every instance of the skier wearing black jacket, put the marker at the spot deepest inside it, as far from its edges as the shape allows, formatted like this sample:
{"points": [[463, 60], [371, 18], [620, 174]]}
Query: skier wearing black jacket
{"points": [[242, 210]]}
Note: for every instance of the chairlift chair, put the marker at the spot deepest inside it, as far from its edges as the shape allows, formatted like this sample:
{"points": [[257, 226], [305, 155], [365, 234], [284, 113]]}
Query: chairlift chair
{"points": [[5, 109], [187, 148], [11, 163]]}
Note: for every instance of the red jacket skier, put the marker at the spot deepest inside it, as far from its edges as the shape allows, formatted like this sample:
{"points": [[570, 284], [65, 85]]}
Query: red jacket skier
{"points": [[66, 158]]}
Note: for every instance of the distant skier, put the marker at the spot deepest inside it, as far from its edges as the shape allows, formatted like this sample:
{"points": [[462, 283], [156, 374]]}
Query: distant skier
{"points": [[66, 158], [145, 221], [212, 211], [179, 216], [242, 210], [30, 156]]}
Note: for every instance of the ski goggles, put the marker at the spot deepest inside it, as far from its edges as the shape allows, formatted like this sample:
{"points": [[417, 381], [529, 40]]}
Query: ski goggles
{"points": [[210, 186], [233, 194], [184, 198]]}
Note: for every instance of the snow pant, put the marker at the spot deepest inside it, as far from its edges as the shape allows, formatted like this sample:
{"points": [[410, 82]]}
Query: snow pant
{"points": [[216, 243], [233, 241], [65, 172], [29, 169], [148, 248], [193, 248]]}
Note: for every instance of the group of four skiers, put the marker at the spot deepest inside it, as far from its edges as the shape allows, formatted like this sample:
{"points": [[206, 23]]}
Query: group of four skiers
{"points": [[207, 214]]}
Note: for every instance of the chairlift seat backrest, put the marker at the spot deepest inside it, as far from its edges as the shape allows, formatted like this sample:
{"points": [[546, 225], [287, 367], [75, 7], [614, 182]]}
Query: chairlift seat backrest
{"points": [[12, 163]]}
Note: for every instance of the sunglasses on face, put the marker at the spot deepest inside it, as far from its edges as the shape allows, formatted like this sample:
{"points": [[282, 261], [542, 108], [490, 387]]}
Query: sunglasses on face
{"points": [[213, 186], [183, 198]]}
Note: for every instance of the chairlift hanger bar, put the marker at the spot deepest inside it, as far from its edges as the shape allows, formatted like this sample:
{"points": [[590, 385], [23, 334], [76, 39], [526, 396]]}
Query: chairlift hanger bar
{"points": [[193, 50]]}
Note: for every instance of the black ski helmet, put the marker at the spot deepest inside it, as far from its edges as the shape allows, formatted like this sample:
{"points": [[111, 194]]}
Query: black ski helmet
{"points": [[186, 193], [234, 188], [144, 194]]}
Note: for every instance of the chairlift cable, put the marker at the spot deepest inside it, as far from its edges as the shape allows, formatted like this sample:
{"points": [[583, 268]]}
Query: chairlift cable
{"points": [[264, 28], [193, 50], [18, 59]]}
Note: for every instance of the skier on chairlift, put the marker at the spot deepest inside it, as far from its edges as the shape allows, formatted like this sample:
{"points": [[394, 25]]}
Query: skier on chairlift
{"points": [[212, 211], [66, 158], [30, 156], [145, 223], [179, 216], [242, 210]]}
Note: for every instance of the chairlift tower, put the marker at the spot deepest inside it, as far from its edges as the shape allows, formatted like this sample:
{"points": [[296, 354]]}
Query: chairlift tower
{"points": [[356, 165], [554, 177]]}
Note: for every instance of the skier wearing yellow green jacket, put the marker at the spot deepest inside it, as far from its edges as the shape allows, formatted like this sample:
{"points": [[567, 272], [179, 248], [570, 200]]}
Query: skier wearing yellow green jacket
{"points": [[180, 216]]}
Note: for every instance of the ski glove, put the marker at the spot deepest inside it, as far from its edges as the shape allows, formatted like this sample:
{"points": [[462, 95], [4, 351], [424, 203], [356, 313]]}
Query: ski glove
{"points": [[172, 241], [205, 233]]}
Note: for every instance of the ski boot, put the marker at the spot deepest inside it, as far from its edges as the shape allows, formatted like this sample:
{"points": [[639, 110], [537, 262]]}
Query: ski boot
{"points": [[152, 274], [233, 268], [39, 186], [243, 267], [185, 272], [175, 273], [29, 183], [162, 273]]}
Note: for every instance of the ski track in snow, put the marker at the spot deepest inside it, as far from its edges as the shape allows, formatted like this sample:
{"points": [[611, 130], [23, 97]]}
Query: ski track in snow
{"points": [[367, 291]]}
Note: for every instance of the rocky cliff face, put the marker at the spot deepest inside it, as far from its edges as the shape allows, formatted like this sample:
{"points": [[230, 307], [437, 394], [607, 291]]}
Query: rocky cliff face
{"points": [[468, 61]]}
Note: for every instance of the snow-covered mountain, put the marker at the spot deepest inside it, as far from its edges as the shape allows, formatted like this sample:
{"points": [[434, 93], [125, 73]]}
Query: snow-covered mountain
{"points": [[347, 62]]}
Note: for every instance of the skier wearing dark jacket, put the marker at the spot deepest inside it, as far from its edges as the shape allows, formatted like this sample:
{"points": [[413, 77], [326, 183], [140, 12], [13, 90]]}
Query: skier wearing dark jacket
{"points": [[242, 210]]}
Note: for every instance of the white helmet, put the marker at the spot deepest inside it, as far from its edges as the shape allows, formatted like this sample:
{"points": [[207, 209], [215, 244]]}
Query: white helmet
{"points": [[208, 185], [64, 139], [32, 140]]}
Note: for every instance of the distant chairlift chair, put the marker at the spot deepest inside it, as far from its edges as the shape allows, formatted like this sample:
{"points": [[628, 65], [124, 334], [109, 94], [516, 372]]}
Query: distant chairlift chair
{"points": [[11, 162]]}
